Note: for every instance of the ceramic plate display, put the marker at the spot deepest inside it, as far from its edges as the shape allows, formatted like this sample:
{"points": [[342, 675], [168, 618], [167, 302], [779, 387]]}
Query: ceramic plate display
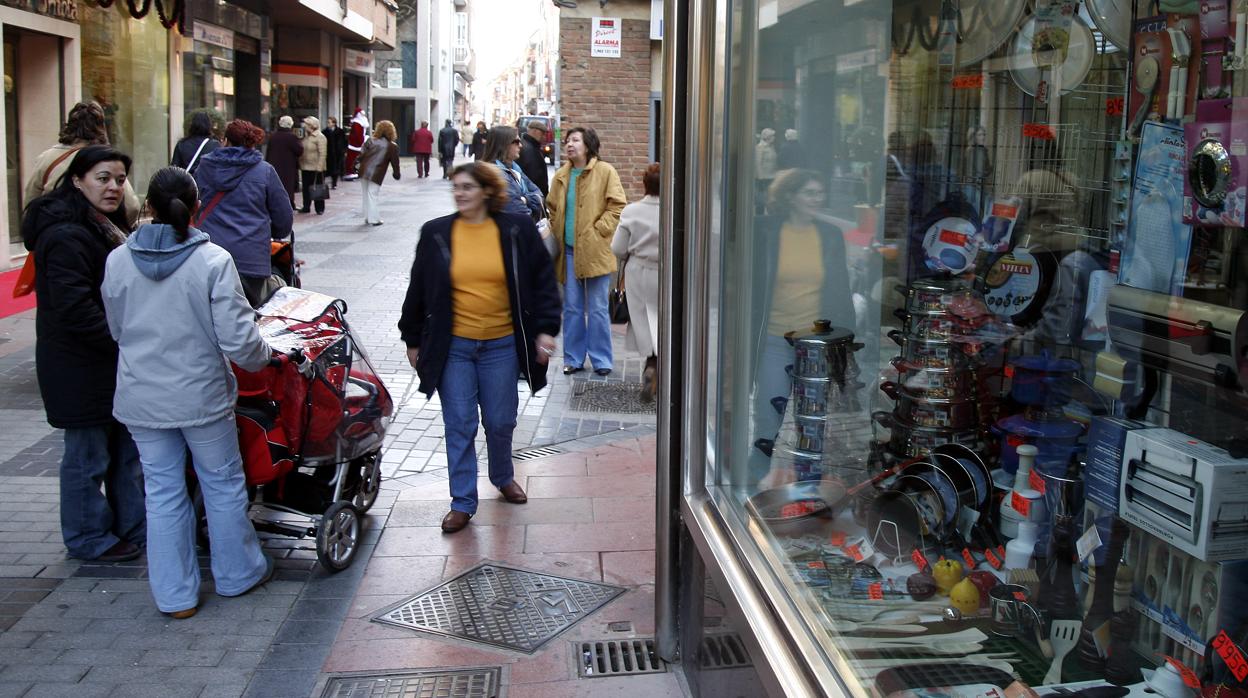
{"points": [[1075, 51], [1113, 19]]}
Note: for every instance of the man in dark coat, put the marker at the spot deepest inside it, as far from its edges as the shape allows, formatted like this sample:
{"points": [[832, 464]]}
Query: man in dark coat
{"points": [[478, 140], [283, 155], [448, 140], [531, 160], [336, 145]]}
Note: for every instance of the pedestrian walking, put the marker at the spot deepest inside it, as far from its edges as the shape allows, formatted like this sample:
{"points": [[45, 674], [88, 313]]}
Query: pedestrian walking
{"points": [[312, 163], [465, 137], [355, 143], [245, 206], [84, 126], [198, 142], [764, 168], [70, 232], [379, 151], [283, 154], [585, 202], [335, 150], [502, 147], [478, 140], [636, 244], [481, 308], [422, 145], [448, 139], [531, 160], [169, 287]]}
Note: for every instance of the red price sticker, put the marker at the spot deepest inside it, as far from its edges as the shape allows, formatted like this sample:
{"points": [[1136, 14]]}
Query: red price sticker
{"points": [[968, 82], [992, 558], [1115, 106], [1021, 504], [854, 552], [815, 565], [970, 559], [1009, 371], [1036, 481], [837, 539], [953, 237], [1231, 655], [1020, 596], [1001, 551], [875, 591], [1005, 211], [1042, 132], [919, 559], [1189, 677]]}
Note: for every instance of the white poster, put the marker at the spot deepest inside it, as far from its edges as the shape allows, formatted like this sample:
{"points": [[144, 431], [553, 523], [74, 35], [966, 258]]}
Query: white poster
{"points": [[606, 35], [394, 78]]}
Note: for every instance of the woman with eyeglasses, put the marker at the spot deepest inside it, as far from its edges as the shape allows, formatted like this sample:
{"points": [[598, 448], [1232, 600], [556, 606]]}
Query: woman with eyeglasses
{"points": [[502, 148], [481, 307]]}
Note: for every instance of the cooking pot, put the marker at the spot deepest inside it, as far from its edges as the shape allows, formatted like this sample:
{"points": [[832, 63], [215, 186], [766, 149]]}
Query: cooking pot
{"points": [[936, 294], [810, 432], [1043, 380], [931, 412], [933, 353], [819, 397], [807, 465], [937, 324], [935, 381], [798, 508], [1056, 440], [974, 466], [913, 441], [824, 351]]}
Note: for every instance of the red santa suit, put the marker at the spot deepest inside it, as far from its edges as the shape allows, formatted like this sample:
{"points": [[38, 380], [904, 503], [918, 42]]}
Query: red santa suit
{"points": [[355, 141]]}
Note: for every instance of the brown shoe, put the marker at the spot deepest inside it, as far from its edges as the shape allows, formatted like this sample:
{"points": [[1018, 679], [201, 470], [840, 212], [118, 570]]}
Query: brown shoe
{"points": [[648, 385], [122, 551], [512, 493], [184, 613], [455, 521]]}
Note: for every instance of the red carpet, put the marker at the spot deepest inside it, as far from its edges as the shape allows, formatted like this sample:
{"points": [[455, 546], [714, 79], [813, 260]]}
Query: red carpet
{"points": [[8, 304]]}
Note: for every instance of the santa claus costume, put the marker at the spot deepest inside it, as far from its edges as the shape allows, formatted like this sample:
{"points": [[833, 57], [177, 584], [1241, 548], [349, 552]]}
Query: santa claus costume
{"points": [[355, 143]]}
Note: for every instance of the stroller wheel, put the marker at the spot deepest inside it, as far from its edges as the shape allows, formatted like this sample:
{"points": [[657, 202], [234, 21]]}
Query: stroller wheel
{"points": [[369, 484], [337, 536]]}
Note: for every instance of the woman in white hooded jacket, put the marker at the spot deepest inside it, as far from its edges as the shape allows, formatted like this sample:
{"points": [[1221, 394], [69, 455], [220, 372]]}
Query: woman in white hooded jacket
{"points": [[175, 305]]}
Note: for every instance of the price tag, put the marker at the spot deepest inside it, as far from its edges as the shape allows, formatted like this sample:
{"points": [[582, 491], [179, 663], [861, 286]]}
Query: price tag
{"points": [[968, 82], [1115, 106], [1008, 370], [1020, 596], [1036, 481], [854, 552], [1042, 132], [970, 559], [1088, 542], [1001, 551], [875, 591], [1021, 504], [1231, 655], [837, 539], [919, 559], [993, 559], [815, 565], [1189, 677]]}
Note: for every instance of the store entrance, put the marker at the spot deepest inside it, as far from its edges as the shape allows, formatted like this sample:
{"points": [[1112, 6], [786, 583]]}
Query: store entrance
{"points": [[32, 63]]}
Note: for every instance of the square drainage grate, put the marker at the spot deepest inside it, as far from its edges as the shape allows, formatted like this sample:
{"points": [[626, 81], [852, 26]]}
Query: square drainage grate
{"points": [[599, 658], [455, 683], [501, 606], [535, 452], [608, 396]]}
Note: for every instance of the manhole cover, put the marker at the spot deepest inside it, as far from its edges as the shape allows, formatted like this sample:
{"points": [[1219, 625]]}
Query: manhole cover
{"points": [[598, 658], [607, 396], [502, 606], [457, 683]]}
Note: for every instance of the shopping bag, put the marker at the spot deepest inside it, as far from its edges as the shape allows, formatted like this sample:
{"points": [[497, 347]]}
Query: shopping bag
{"points": [[25, 278], [618, 303]]}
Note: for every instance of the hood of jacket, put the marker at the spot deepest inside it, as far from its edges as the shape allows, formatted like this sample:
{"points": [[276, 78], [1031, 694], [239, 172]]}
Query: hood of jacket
{"points": [[42, 213], [156, 251], [224, 168]]}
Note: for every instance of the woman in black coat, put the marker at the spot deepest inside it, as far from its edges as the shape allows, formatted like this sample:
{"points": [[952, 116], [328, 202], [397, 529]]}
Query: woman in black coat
{"points": [[71, 231], [481, 307], [336, 142], [283, 154], [199, 141]]}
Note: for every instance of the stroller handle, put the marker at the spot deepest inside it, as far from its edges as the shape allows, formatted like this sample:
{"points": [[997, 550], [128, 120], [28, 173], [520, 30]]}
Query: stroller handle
{"points": [[296, 357]]}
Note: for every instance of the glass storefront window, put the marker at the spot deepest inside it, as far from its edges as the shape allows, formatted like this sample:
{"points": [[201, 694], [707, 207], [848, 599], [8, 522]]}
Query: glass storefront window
{"points": [[208, 78], [977, 332], [125, 67]]}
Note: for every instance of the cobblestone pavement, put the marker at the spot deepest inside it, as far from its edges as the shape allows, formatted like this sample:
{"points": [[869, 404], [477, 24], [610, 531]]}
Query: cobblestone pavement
{"points": [[84, 629]]}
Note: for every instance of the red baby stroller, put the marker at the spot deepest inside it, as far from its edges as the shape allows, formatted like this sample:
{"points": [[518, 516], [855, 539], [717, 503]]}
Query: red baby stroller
{"points": [[311, 426]]}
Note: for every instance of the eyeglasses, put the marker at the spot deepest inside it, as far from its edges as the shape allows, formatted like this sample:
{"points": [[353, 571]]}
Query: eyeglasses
{"points": [[468, 187]]}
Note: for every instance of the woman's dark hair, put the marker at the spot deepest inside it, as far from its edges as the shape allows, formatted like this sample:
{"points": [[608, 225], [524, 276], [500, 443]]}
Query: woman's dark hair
{"points": [[200, 125], [650, 179], [491, 180], [589, 137], [496, 142], [82, 163], [172, 194], [780, 193], [85, 122]]}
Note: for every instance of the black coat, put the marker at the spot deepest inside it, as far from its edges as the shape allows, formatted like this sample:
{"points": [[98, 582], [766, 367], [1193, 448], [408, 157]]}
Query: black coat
{"points": [[184, 151], [283, 154], [75, 356], [336, 149], [478, 143], [533, 163], [448, 140], [531, 289]]}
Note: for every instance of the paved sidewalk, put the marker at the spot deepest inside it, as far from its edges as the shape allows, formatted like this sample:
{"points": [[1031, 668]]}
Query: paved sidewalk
{"points": [[83, 629]]}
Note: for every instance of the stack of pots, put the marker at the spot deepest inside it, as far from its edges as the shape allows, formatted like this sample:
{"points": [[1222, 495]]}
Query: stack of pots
{"points": [[937, 393], [825, 383]]}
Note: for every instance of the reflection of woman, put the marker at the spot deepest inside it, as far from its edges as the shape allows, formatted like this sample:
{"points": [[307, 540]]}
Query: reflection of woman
{"points": [[976, 167], [803, 278], [482, 307], [636, 243]]}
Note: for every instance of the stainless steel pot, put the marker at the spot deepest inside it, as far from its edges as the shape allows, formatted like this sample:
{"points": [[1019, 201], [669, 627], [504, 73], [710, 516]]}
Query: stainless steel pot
{"points": [[824, 351], [935, 381], [932, 353], [810, 433], [913, 441], [932, 412], [935, 294]]}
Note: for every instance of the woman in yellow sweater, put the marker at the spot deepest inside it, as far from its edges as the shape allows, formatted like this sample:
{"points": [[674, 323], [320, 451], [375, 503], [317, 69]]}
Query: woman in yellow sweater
{"points": [[481, 307]]}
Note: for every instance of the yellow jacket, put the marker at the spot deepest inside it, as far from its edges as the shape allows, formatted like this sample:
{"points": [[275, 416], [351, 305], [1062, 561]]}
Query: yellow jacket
{"points": [[599, 200]]}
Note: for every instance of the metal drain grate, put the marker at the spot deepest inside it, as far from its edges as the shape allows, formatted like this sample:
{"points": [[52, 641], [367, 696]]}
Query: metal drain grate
{"points": [[453, 683], [723, 651], [535, 452], [599, 658], [501, 606], [608, 396]]}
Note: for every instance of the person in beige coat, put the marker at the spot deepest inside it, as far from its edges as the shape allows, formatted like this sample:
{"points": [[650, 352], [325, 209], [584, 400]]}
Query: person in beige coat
{"points": [[83, 127], [637, 244], [312, 162], [585, 202]]}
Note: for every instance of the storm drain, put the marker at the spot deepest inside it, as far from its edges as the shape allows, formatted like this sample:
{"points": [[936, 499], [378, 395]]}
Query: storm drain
{"points": [[535, 452], [618, 658], [608, 396], [723, 651], [456, 683], [501, 606]]}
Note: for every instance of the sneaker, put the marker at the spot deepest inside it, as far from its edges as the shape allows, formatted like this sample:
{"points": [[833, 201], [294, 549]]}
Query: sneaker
{"points": [[122, 551]]}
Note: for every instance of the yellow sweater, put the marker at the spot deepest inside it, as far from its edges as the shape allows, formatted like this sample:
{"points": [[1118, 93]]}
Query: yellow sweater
{"points": [[799, 278], [480, 307]]}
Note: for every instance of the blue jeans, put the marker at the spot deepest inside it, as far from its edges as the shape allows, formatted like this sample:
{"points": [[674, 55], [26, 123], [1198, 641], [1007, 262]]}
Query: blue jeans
{"points": [[92, 521], [237, 562], [478, 373], [586, 320]]}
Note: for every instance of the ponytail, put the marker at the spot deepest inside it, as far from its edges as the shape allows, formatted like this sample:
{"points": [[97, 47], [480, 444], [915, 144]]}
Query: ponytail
{"points": [[172, 194]]}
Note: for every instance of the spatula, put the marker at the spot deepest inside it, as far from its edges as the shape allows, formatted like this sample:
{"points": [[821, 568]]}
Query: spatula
{"points": [[1064, 634]]}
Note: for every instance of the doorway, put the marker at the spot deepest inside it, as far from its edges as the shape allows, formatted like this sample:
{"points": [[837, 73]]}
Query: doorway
{"points": [[32, 62]]}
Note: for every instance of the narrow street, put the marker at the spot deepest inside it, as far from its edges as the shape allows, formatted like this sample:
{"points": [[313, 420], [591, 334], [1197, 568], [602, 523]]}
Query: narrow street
{"points": [[85, 629]]}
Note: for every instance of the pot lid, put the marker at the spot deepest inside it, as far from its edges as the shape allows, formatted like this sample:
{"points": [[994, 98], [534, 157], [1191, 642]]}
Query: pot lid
{"points": [[822, 332]]}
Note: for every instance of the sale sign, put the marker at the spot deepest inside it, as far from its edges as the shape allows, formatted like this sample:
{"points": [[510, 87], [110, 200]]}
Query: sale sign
{"points": [[606, 36]]}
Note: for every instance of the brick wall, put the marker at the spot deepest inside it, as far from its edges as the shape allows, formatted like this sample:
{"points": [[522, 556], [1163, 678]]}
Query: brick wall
{"points": [[610, 95]]}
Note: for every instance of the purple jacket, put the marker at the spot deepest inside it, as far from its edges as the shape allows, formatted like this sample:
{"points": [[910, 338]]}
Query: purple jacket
{"points": [[254, 210]]}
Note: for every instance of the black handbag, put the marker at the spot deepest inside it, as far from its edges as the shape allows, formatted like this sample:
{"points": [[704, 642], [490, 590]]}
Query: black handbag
{"points": [[617, 305], [318, 191]]}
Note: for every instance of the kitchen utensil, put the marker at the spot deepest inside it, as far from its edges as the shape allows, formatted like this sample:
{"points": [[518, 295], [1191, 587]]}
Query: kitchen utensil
{"points": [[912, 440], [1041, 379], [1152, 242], [974, 466], [936, 294], [810, 432], [892, 646], [1054, 440], [1009, 609], [933, 353], [984, 661], [1064, 634], [1147, 74], [934, 381], [1018, 283], [924, 411], [950, 244], [797, 508], [1166, 680], [1036, 56], [1113, 19], [921, 674], [807, 465], [849, 626], [824, 351]]}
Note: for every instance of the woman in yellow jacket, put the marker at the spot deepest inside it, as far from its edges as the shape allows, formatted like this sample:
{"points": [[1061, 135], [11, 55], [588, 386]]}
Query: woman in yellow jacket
{"points": [[585, 202]]}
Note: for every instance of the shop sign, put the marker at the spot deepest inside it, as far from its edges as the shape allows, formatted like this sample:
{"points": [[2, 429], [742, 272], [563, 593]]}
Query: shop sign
{"points": [[358, 61], [59, 9], [212, 34], [606, 37], [394, 78]]}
